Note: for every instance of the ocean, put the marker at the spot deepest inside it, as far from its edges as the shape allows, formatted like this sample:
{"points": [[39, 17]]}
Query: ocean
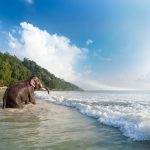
{"points": [[88, 120]]}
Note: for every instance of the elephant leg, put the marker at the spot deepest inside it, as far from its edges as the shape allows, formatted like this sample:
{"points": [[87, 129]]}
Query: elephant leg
{"points": [[18, 106], [13, 105], [32, 99], [26, 102], [18, 103], [33, 102]]}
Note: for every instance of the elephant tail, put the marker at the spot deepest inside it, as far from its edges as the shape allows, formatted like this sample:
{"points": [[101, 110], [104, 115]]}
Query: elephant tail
{"points": [[4, 100]]}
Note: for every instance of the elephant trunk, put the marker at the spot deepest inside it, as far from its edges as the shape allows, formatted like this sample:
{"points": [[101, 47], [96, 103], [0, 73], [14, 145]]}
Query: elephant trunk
{"points": [[45, 88]]}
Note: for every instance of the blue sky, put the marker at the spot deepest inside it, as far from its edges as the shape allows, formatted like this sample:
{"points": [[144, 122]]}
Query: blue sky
{"points": [[107, 42]]}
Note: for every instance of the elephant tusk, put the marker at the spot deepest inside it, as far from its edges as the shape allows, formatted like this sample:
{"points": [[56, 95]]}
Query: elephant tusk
{"points": [[44, 88]]}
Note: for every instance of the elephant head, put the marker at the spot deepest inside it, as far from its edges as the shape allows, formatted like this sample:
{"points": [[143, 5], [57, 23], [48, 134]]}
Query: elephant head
{"points": [[36, 83]]}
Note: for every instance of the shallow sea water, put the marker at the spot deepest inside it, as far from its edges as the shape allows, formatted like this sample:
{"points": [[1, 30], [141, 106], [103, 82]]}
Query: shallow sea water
{"points": [[47, 126]]}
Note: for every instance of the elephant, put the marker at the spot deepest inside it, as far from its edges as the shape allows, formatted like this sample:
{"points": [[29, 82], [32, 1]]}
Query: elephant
{"points": [[22, 93]]}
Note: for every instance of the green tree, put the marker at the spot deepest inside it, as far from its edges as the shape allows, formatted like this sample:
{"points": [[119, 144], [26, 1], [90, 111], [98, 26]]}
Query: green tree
{"points": [[13, 70]]}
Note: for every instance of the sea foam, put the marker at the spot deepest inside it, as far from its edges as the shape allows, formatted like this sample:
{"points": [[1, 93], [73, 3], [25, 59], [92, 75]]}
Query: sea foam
{"points": [[128, 112]]}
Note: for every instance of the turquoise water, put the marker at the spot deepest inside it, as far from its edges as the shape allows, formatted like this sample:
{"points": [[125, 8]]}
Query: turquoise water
{"points": [[48, 126]]}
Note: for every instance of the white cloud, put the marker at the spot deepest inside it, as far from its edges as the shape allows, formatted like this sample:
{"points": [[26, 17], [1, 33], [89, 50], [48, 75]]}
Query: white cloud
{"points": [[54, 52], [88, 42], [13, 42], [51, 51]]}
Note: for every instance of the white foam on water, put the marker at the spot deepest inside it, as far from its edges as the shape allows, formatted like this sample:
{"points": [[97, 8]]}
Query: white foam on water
{"points": [[128, 112]]}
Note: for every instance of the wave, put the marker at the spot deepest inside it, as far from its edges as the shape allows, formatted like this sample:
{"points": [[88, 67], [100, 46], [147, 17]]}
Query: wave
{"points": [[132, 118]]}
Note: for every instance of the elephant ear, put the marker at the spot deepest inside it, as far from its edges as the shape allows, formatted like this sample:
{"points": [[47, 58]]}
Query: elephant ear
{"points": [[32, 82]]}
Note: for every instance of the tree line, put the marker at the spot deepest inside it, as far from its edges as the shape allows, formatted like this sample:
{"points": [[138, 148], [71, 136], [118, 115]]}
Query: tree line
{"points": [[13, 70]]}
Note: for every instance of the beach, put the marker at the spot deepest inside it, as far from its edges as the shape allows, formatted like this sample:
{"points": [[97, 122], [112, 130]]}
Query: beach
{"points": [[50, 125]]}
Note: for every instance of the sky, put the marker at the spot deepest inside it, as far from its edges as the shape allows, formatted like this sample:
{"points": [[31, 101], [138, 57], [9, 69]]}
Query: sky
{"points": [[95, 44]]}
